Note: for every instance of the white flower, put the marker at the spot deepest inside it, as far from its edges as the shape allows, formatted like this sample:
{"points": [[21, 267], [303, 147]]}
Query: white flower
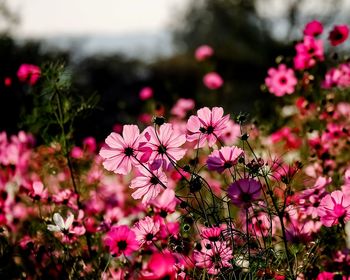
{"points": [[61, 225]]}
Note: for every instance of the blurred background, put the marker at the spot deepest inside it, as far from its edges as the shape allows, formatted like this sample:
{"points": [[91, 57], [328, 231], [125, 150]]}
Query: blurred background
{"points": [[114, 48]]}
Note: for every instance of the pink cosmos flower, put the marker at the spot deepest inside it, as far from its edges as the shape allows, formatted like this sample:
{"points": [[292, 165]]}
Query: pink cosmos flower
{"points": [[146, 93], [77, 152], [334, 208], [313, 28], [8, 81], [120, 153], [148, 186], [338, 77], [146, 230], [89, 144], [308, 52], [213, 80], [160, 266], [165, 203], [203, 52], [211, 234], [207, 126], [121, 240], [215, 258], [182, 106], [224, 158], [242, 192], [281, 81], [338, 35], [38, 192], [163, 145], [28, 73]]}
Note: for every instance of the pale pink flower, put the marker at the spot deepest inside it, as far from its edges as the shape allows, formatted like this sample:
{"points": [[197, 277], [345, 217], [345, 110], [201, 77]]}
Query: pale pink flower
{"points": [[244, 191], [231, 133], [148, 186], [164, 145], [165, 203], [338, 34], [182, 106], [146, 93], [213, 80], [203, 52], [334, 208], [215, 258], [121, 240], [207, 126], [281, 81], [28, 73], [120, 153], [146, 230], [225, 158], [38, 191], [313, 28]]}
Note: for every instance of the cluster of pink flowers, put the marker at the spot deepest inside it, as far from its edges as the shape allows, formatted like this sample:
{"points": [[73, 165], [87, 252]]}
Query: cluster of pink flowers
{"points": [[199, 196]]}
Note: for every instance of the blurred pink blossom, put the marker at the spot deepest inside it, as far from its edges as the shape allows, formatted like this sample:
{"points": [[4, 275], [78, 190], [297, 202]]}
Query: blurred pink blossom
{"points": [[213, 80]]}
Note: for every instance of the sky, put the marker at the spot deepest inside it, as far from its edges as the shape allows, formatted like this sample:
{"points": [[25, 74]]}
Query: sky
{"points": [[45, 18]]}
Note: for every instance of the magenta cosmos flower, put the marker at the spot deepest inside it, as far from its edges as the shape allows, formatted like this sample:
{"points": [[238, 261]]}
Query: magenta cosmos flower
{"points": [[121, 240], [148, 185], [313, 28], [281, 81], [334, 208], [213, 80], [338, 35], [224, 158], [120, 154], [203, 52], [207, 126], [308, 52], [28, 73], [146, 93], [244, 191], [163, 145], [160, 266]]}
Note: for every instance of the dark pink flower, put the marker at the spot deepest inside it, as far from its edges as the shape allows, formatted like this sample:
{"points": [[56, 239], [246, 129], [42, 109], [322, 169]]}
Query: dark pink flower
{"points": [[281, 81], [203, 52], [160, 266], [121, 240], [308, 52], [213, 80], [207, 126], [120, 153], [163, 145], [338, 35], [244, 191], [334, 208], [148, 186], [225, 158], [146, 93], [8, 81], [28, 73], [313, 28], [211, 234]]}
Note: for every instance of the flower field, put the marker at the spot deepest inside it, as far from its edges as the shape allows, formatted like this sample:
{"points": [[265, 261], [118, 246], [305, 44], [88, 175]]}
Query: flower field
{"points": [[190, 192]]}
